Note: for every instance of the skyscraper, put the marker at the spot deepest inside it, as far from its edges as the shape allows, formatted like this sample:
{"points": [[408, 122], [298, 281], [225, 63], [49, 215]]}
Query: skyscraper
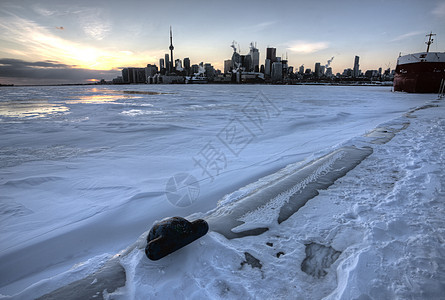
{"points": [[178, 65], [277, 71], [328, 71], [271, 53], [187, 65], [209, 71], [271, 57], [236, 61], [267, 67], [134, 75], [194, 69], [227, 66], [171, 50], [247, 62], [126, 75], [161, 64], [255, 55], [167, 62], [317, 70], [356, 70], [301, 69], [285, 67], [151, 70]]}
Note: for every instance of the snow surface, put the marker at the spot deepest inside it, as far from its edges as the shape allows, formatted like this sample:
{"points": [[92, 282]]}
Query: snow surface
{"points": [[84, 173]]}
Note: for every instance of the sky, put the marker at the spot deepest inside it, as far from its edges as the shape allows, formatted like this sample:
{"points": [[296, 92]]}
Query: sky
{"points": [[60, 41]]}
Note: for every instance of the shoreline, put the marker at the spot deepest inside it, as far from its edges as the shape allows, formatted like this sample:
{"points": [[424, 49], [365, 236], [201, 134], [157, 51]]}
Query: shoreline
{"points": [[353, 83]]}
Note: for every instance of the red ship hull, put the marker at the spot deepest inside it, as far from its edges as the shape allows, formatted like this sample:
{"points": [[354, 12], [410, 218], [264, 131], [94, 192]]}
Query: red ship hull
{"points": [[419, 77]]}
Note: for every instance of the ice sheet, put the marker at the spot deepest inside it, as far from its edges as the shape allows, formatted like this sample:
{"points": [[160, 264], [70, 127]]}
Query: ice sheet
{"points": [[90, 178]]}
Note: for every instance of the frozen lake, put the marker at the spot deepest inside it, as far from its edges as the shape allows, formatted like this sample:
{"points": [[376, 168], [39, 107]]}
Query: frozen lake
{"points": [[85, 170]]}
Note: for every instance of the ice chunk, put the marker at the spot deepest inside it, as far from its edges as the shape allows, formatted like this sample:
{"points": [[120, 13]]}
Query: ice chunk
{"points": [[107, 279], [318, 259], [256, 212]]}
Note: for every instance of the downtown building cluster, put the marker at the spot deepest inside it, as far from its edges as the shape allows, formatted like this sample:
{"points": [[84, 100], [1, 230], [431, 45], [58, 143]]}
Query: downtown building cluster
{"points": [[169, 71], [245, 68]]}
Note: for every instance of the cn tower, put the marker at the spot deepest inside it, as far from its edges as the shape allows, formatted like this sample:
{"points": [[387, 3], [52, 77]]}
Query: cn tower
{"points": [[171, 51]]}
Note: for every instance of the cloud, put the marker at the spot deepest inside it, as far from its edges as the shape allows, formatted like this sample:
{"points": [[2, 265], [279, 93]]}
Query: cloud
{"points": [[26, 72], [439, 10], [95, 24], [407, 35], [40, 42], [259, 26], [55, 10], [18, 63], [44, 11], [33, 42], [307, 47], [96, 30], [93, 21]]}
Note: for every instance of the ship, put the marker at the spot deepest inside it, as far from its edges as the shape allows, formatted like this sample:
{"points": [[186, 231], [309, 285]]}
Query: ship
{"points": [[422, 72], [196, 79]]}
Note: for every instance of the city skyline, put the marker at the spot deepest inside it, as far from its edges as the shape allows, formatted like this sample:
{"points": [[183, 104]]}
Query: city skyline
{"points": [[57, 42]]}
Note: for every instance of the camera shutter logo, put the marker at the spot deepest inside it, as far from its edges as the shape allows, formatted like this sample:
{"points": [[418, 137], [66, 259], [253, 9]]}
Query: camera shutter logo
{"points": [[182, 190]]}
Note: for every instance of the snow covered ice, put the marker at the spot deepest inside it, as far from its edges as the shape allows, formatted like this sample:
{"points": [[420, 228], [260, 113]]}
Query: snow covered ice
{"points": [[310, 192]]}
